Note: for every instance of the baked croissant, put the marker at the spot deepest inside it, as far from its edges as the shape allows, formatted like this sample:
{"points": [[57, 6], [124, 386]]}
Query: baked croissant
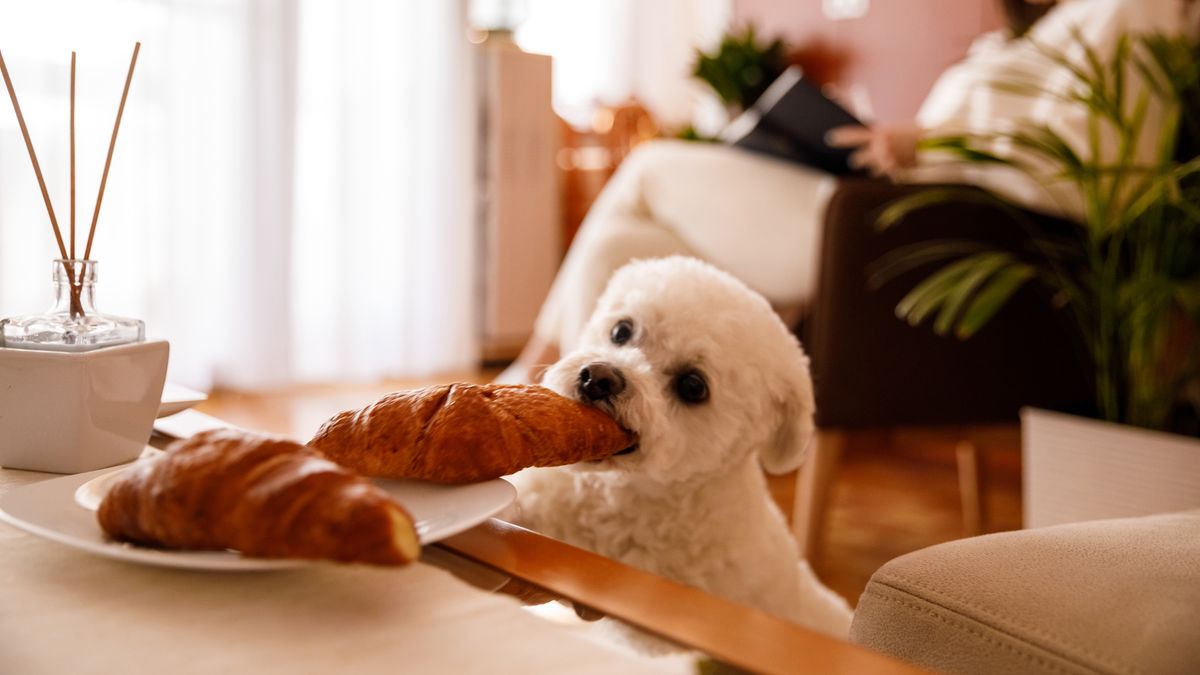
{"points": [[262, 496], [459, 433]]}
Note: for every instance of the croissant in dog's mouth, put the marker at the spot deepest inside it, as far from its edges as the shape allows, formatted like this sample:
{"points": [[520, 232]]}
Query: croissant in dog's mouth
{"points": [[634, 447], [606, 406], [609, 410], [461, 433]]}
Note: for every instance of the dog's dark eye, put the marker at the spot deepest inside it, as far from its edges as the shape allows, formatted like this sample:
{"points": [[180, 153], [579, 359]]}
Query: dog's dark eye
{"points": [[622, 331], [691, 387]]}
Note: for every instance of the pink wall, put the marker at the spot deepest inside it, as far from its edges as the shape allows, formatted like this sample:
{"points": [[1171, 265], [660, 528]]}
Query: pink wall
{"points": [[895, 51]]}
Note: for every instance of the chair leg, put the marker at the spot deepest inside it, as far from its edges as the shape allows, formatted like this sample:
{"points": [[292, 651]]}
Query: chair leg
{"points": [[970, 488], [812, 490]]}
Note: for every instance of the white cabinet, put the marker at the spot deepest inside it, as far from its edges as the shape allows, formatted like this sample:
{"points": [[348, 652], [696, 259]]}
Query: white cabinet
{"points": [[519, 218]]}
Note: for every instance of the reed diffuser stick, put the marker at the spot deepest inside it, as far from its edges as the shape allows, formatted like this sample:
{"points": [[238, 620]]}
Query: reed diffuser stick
{"points": [[37, 170], [76, 284], [87, 251], [72, 155]]}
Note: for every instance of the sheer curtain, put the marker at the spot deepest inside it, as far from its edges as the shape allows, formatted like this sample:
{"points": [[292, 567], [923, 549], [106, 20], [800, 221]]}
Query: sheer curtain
{"points": [[292, 192], [384, 191]]}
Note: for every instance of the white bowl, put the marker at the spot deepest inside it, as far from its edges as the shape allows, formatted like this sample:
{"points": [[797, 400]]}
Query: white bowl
{"points": [[68, 412]]}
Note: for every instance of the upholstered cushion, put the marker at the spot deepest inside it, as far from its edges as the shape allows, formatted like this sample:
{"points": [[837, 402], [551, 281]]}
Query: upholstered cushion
{"points": [[871, 369], [1113, 596]]}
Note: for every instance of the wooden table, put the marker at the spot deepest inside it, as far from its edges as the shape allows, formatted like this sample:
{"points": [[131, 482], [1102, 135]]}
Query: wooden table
{"points": [[526, 564], [734, 634]]}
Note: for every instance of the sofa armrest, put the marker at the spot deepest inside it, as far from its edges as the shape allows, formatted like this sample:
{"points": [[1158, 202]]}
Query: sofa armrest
{"points": [[1109, 596], [872, 369]]}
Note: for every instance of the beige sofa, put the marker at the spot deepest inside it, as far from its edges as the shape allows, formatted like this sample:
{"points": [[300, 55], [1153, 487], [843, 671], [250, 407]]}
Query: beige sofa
{"points": [[1113, 596]]}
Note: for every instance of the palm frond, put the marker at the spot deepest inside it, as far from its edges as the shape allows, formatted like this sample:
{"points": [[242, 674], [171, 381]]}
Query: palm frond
{"points": [[1060, 58], [965, 148], [982, 268], [1048, 143], [1097, 79], [912, 256], [1152, 71], [1170, 64], [933, 291], [1032, 87], [1145, 195], [897, 211], [1120, 58], [992, 297]]}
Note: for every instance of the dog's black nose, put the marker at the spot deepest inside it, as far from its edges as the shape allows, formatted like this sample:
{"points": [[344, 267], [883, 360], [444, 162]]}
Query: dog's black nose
{"points": [[600, 381]]}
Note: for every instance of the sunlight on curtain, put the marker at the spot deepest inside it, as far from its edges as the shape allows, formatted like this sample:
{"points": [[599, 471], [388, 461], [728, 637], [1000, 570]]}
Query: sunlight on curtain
{"points": [[385, 199], [291, 195], [606, 51], [173, 210]]}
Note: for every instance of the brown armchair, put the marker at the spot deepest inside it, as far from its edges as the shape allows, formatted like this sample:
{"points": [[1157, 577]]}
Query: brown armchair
{"points": [[871, 369]]}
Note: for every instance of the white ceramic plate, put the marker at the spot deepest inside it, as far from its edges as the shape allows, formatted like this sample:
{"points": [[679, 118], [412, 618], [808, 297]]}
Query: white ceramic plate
{"points": [[63, 510], [176, 398]]}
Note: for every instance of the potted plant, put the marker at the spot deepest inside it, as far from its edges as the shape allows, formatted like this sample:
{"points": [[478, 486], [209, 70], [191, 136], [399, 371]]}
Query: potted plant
{"points": [[740, 69], [1128, 275]]}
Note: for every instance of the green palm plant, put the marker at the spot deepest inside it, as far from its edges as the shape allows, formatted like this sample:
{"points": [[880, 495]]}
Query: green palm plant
{"points": [[1129, 274]]}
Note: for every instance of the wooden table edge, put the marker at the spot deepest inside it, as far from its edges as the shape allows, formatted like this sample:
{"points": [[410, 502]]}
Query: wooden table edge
{"points": [[736, 634]]}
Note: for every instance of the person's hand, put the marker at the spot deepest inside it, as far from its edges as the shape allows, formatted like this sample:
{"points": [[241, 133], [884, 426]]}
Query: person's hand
{"points": [[882, 150]]}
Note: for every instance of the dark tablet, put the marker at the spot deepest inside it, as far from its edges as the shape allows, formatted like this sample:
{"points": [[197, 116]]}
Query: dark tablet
{"points": [[790, 121]]}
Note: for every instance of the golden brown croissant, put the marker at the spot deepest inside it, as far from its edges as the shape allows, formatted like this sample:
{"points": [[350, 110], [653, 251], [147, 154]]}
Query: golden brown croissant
{"points": [[261, 496], [459, 433]]}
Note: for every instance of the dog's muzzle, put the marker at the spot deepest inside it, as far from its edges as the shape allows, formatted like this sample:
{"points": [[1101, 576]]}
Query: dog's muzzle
{"points": [[599, 382]]}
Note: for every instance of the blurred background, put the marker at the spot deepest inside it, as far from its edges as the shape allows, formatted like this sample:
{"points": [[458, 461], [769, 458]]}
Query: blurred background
{"points": [[315, 191]]}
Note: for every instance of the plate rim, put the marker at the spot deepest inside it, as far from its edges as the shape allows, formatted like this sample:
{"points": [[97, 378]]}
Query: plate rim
{"points": [[189, 399]]}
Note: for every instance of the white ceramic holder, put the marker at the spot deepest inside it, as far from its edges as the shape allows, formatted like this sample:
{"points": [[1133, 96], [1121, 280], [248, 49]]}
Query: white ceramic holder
{"points": [[69, 412]]}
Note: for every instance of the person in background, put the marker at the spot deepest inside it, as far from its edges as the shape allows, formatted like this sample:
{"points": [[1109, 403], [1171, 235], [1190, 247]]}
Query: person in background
{"points": [[760, 218]]}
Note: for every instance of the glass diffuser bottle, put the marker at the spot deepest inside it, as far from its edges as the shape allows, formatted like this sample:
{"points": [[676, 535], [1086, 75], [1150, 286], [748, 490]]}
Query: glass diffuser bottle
{"points": [[73, 324]]}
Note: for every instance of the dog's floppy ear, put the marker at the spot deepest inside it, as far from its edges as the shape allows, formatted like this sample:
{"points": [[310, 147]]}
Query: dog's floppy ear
{"points": [[788, 446]]}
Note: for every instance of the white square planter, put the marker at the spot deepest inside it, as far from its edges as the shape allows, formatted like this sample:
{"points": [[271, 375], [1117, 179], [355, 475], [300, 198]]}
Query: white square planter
{"points": [[68, 412], [1078, 469]]}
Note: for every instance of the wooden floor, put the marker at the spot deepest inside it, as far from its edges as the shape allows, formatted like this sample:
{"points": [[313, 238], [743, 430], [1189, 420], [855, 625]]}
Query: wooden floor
{"points": [[897, 492], [894, 492]]}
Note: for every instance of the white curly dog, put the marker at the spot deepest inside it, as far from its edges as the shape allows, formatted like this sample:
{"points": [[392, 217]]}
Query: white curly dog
{"points": [[715, 386]]}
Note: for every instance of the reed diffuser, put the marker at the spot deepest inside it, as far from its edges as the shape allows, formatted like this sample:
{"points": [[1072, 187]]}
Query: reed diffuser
{"points": [[72, 323], [80, 388]]}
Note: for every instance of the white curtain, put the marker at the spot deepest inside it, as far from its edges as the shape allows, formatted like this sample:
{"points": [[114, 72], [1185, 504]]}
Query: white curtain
{"points": [[384, 190], [292, 194]]}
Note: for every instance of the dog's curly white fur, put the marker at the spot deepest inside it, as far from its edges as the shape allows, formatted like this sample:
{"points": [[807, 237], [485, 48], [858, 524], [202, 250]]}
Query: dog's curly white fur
{"points": [[690, 502]]}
